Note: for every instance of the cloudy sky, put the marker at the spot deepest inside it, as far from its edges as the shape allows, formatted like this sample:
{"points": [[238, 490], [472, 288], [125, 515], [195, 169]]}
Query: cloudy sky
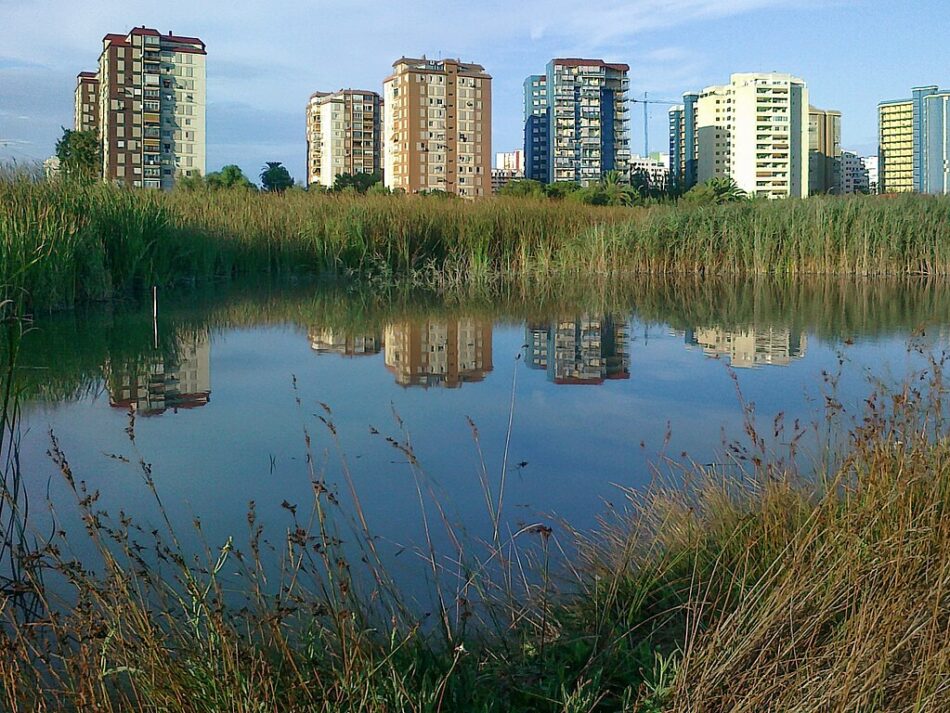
{"points": [[265, 59]]}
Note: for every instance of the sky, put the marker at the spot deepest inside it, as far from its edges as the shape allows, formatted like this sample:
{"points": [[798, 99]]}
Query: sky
{"points": [[265, 59]]}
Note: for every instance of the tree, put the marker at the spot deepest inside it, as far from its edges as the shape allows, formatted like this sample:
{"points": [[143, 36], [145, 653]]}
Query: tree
{"points": [[275, 178], [523, 188], [719, 190], [230, 176], [360, 182], [79, 155]]}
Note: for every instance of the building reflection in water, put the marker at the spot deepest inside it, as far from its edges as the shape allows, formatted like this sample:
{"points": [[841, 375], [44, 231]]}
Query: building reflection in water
{"points": [[750, 346], [328, 341], [444, 353], [157, 384], [583, 350]]}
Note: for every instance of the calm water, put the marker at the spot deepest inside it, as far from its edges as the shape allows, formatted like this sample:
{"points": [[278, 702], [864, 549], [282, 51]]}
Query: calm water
{"points": [[599, 381]]}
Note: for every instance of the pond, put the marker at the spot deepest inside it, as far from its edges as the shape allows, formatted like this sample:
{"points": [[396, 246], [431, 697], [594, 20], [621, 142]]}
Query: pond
{"points": [[575, 394]]}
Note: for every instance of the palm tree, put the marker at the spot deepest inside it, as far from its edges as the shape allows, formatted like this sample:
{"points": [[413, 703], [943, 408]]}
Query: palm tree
{"points": [[617, 190], [725, 190]]}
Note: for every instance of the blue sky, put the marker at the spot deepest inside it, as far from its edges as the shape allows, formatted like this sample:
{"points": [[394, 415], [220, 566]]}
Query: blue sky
{"points": [[265, 59]]}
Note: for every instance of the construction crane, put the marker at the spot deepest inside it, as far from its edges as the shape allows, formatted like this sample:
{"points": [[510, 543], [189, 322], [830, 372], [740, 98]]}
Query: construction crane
{"points": [[646, 128]]}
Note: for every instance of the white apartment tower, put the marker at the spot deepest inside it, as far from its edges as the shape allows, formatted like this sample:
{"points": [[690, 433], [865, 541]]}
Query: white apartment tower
{"points": [[343, 135], [755, 130]]}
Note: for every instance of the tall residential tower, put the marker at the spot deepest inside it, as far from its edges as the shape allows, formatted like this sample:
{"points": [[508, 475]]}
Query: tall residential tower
{"points": [[914, 142], [824, 151], [579, 108], [150, 107], [437, 127], [753, 130], [343, 135]]}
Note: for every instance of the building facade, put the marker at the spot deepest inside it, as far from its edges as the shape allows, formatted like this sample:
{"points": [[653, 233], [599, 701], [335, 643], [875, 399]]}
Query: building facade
{"points": [[344, 131], [150, 107], [576, 121], [871, 164], [913, 138], [824, 151], [750, 347], [437, 127], [536, 127], [510, 161], [684, 146], [754, 130], [854, 174], [896, 146], [86, 101]]}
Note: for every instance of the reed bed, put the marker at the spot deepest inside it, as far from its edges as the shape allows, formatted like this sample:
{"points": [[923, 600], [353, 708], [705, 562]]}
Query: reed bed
{"points": [[63, 244]]}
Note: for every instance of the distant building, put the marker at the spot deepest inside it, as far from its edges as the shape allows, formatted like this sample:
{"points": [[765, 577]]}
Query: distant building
{"points": [[914, 142], [753, 130], [86, 102], [854, 174], [510, 161], [684, 143], [150, 104], [536, 127], [437, 127], [583, 350], [750, 347], [582, 104], [871, 164], [653, 170], [501, 177], [439, 353], [344, 132], [51, 167], [159, 385], [824, 151], [328, 341]]}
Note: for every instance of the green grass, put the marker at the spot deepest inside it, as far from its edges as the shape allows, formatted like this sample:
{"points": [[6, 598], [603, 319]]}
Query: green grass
{"points": [[63, 244]]}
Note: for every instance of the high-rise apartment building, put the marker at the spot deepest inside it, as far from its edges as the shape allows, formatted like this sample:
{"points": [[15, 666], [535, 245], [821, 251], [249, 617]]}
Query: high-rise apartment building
{"points": [[824, 151], [914, 142], [344, 131], [150, 107], [854, 174], [536, 127], [86, 109], [896, 146], [438, 127], [585, 113], [684, 144], [755, 131]]}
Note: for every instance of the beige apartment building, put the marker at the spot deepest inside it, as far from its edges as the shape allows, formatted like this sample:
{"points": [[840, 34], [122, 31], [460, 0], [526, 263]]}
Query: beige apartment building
{"points": [[86, 110], [755, 131], [151, 97], [750, 347], [438, 127], [344, 131], [824, 151]]}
